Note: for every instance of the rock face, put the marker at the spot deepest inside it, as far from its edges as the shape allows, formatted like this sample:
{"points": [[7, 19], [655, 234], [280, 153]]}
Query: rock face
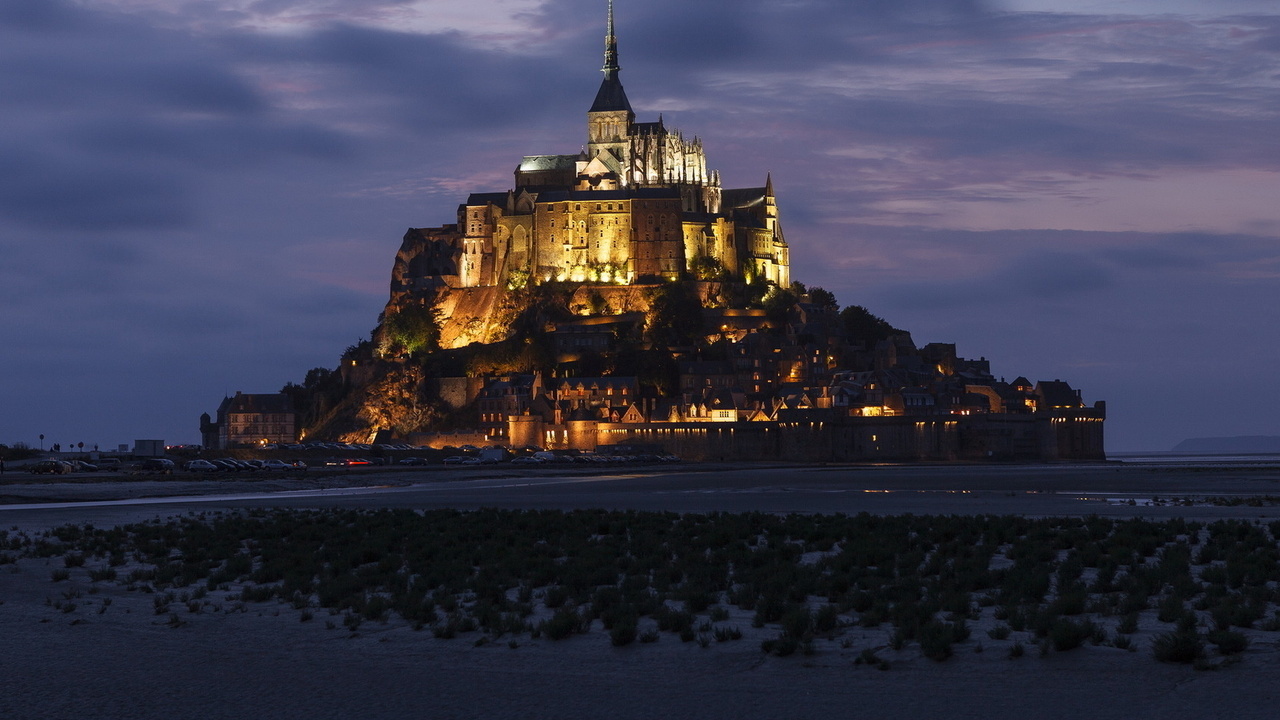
{"points": [[377, 395]]}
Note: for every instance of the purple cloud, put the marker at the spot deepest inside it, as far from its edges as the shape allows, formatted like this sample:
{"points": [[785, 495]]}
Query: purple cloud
{"points": [[209, 195]]}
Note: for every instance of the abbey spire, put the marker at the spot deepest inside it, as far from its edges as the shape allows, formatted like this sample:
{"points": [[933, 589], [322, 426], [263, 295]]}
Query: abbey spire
{"points": [[610, 118], [611, 47], [611, 97]]}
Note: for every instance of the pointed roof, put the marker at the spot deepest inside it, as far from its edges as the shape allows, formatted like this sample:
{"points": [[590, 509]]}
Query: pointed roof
{"points": [[611, 97]]}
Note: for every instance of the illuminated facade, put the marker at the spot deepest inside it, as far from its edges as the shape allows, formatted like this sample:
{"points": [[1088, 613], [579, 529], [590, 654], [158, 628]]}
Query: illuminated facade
{"points": [[638, 204], [250, 420]]}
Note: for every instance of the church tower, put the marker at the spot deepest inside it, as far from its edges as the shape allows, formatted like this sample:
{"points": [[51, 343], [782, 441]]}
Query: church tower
{"points": [[610, 118]]}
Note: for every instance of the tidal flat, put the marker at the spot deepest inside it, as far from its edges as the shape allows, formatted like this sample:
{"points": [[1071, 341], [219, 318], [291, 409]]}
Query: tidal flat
{"points": [[903, 591]]}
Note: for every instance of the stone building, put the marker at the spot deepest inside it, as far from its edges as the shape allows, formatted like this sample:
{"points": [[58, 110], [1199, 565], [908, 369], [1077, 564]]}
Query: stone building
{"points": [[250, 420]]}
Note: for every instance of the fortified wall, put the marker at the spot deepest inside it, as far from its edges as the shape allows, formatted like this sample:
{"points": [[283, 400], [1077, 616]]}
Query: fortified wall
{"points": [[1061, 435]]}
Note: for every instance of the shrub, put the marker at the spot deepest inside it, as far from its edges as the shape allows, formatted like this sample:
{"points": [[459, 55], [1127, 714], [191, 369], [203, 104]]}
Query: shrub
{"points": [[723, 634], [1128, 624], [1229, 642], [623, 632], [555, 597], [782, 646], [826, 619], [1171, 609], [60, 574], [564, 623], [1188, 622], [1068, 634], [867, 656], [936, 638], [797, 621], [999, 632], [1178, 647], [673, 620]]}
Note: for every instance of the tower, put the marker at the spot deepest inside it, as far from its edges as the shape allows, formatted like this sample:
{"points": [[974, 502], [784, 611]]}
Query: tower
{"points": [[610, 118]]}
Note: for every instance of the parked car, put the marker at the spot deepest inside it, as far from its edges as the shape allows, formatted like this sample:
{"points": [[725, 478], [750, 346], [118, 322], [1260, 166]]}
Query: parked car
{"points": [[346, 462], [51, 467], [200, 466], [160, 465], [276, 465]]}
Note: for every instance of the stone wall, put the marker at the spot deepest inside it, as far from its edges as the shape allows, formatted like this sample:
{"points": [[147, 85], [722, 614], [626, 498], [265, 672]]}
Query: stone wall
{"points": [[1066, 435]]}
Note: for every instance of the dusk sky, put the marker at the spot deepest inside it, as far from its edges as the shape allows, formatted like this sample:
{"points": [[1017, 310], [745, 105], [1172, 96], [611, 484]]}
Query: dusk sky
{"points": [[200, 197]]}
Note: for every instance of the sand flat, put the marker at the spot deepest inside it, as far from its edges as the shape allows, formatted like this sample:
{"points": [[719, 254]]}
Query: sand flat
{"points": [[128, 662]]}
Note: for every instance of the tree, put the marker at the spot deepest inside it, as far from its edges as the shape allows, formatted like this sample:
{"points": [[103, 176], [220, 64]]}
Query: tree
{"points": [[675, 316], [415, 328], [861, 326], [539, 305], [823, 298], [777, 306], [705, 267], [597, 304]]}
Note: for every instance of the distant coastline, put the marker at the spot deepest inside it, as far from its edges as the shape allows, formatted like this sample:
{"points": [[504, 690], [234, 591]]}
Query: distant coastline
{"points": [[1241, 444]]}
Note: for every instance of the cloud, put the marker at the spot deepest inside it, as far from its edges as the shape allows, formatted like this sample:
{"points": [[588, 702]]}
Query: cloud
{"points": [[1052, 275], [114, 124], [41, 191], [189, 180]]}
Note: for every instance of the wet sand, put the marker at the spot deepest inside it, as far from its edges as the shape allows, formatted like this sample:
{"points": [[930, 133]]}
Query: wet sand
{"points": [[1033, 490], [128, 662]]}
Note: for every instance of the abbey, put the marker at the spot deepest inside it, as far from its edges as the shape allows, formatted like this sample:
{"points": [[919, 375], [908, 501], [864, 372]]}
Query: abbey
{"points": [[636, 205]]}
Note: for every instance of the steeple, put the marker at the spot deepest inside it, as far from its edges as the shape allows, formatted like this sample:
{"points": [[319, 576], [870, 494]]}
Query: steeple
{"points": [[610, 47], [611, 97]]}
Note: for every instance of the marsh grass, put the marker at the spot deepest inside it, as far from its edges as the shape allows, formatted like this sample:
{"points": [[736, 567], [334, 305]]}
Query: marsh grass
{"points": [[803, 578]]}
